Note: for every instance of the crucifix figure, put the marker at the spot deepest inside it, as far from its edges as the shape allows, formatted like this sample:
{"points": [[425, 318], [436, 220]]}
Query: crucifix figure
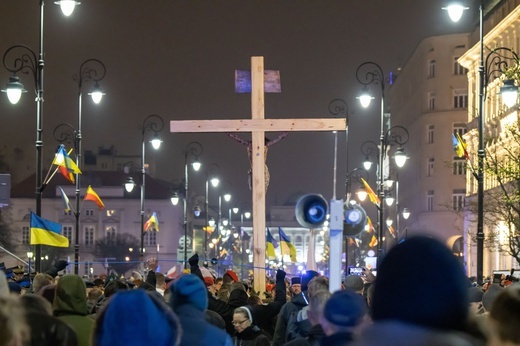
{"points": [[258, 125], [249, 145]]}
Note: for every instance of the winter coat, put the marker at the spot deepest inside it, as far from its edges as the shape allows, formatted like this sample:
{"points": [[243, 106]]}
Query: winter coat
{"points": [[312, 339], [197, 331], [288, 312], [70, 306], [251, 336], [395, 333], [50, 331]]}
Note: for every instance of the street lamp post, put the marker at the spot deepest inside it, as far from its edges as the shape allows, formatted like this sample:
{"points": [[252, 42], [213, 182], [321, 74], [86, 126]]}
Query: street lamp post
{"points": [[90, 70], [455, 12], [193, 149], [394, 135], [210, 177], [153, 123], [27, 62]]}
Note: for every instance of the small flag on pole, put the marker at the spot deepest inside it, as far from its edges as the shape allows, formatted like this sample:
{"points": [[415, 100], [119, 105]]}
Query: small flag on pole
{"points": [[91, 195], [45, 232], [65, 199], [270, 246], [371, 194], [152, 222], [373, 241], [286, 246]]}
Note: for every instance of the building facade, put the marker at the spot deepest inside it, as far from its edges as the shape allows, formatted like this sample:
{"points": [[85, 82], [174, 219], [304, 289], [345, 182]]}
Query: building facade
{"points": [[429, 97]]}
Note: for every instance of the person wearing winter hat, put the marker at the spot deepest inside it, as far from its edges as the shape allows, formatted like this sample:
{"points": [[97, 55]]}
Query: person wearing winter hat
{"points": [[504, 318], [420, 297], [229, 278], [354, 283], [286, 330], [246, 332], [342, 313], [190, 301], [296, 286], [70, 306], [136, 317], [490, 295]]}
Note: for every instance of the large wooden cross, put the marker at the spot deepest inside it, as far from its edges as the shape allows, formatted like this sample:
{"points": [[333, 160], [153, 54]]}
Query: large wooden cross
{"points": [[258, 125]]}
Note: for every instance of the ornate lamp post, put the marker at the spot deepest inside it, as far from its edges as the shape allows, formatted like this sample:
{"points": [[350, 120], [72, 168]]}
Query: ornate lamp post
{"points": [[496, 61], [210, 177], [30, 62], [193, 149], [155, 124]]}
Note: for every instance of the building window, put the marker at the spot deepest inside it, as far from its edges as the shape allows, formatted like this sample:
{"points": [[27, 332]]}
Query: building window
{"points": [[25, 234], [89, 212], [460, 129], [110, 233], [431, 101], [66, 231], [429, 201], [458, 200], [460, 99], [459, 166], [429, 167], [150, 237], [67, 212], [111, 212], [457, 68], [88, 265], [431, 68], [89, 235], [431, 129]]}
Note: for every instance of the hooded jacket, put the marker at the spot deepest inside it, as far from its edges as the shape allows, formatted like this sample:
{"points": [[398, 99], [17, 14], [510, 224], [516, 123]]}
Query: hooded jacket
{"points": [[189, 303], [70, 306], [297, 303]]}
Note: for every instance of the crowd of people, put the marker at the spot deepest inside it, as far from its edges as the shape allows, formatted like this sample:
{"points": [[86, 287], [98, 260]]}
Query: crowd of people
{"points": [[420, 296]]}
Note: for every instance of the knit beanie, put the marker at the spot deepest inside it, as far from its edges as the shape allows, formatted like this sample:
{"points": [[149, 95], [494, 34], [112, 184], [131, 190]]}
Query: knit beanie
{"points": [[345, 308], [307, 277], [490, 295], [421, 282], [135, 318], [189, 289]]}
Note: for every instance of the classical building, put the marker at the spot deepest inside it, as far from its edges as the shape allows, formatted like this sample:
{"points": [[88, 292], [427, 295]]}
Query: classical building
{"points": [[429, 97]]}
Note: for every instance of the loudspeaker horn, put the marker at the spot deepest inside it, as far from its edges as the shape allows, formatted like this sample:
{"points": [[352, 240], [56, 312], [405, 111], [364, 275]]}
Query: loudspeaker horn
{"points": [[355, 220], [311, 211]]}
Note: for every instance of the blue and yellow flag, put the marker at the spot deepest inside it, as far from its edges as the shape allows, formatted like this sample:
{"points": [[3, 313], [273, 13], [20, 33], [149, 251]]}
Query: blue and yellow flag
{"points": [[152, 223], [45, 232], [286, 246], [270, 245]]}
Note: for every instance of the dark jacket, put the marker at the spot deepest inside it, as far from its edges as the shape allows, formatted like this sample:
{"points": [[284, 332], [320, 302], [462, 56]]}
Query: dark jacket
{"points": [[289, 309], [197, 331], [337, 339], [251, 336], [312, 339], [70, 306]]}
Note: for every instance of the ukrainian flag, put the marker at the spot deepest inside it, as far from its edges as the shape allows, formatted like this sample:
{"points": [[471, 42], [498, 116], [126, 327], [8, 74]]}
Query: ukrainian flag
{"points": [[45, 232], [270, 245], [286, 246]]}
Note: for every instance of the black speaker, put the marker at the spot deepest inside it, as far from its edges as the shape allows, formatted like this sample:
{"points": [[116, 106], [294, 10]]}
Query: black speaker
{"points": [[311, 211], [355, 220]]}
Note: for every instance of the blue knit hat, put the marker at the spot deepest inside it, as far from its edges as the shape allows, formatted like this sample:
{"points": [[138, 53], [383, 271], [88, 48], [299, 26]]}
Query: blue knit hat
{"points": [[189, 289], [345, 308], [136, 318]]}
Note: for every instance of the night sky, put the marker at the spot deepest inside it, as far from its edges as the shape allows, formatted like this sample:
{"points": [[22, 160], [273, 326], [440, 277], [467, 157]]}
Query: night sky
{"points": [[177, 59]]}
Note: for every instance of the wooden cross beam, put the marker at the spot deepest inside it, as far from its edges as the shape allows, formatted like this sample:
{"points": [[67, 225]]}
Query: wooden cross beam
{"points": [[258, 125]]}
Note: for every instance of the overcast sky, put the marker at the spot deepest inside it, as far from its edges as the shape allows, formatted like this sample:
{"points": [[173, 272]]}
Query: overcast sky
{"points": [[177, 59]]}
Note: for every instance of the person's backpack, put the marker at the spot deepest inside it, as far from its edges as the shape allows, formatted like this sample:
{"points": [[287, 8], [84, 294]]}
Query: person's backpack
{"points": [[298, 325]]}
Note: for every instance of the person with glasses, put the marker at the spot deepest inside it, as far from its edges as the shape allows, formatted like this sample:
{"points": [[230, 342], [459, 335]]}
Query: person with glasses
{"points": [[246, 332]]}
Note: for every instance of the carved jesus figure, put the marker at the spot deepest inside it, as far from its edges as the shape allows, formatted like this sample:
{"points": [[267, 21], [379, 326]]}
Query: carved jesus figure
{"points": [[249, 145]]}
